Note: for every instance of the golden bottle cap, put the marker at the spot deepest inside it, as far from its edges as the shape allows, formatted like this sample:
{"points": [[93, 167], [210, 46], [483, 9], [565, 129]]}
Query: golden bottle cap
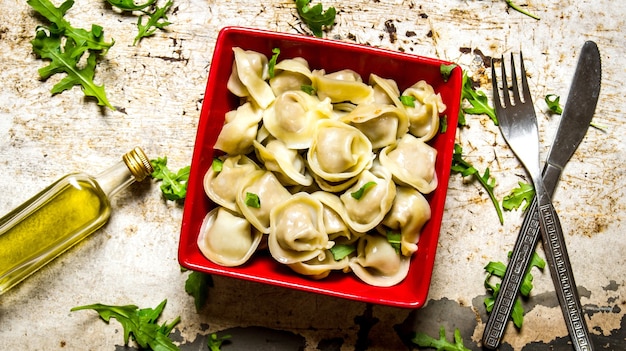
{"points": [[138, 163]]}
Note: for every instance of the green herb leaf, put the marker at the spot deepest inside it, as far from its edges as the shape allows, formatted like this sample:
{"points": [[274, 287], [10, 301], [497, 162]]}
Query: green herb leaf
{"points": [[64, 46], [395, 239], [446, 70], [315, 17], [522, 194], [215, 342], [498, 269], [156, 20], [441, 344], [138, 324], [477, 99], [174, 185], [459, 165], [217, 165], [359, 193], [309, 89], [407, 100], [340, 251], [129, 5], [443, 124], [272, 62], [197, 285], [83, 39], [252, 200], [553, 103], [520, 9]]}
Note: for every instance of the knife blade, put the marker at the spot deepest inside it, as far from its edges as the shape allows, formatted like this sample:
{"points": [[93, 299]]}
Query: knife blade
{"points": [[576, 117]]}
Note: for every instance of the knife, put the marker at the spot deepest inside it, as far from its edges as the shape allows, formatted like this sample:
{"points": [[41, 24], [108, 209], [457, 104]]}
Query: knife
{"points": [[576, 117]]}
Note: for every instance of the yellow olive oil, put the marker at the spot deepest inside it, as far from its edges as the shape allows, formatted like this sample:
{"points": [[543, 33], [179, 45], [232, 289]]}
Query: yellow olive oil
{"points": [[60, 216]]}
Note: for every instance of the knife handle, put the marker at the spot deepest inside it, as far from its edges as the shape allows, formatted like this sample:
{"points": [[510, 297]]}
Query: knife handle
{"points": [[562, 275], [513, 277]]}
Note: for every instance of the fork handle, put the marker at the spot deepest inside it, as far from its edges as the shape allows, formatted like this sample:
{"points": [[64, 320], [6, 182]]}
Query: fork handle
{"points": [[513, 277], [562, 275]]}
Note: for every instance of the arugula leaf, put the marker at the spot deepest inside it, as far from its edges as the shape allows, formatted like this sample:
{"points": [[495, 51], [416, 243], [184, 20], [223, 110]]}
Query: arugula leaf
{"points": [[197, 285], [174, 185], [520, 10], [309, 89], [156, 20], [64, 46], [252, 200], [522, 194], [441, 344], [395, 239], [359, 193], [339, 251], [138, 324], [446, 70], [459, 165], [315, 17], [86, 40], [215, 342], [407, 100], [553, 103], [129, 5], [272, 61], [498, 269], [477, 99], [443, 124], [217, 165]]}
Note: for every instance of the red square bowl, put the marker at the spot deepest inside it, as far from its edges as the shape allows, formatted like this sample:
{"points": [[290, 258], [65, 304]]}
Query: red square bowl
{"points": [[331, 55]]}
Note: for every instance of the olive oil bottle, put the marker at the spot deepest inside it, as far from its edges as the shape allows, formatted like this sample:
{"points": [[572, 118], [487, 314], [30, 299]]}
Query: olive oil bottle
{"points": [[61, 215]]}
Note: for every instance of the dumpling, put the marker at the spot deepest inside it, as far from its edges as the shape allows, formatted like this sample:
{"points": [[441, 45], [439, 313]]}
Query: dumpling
{"points": [[248, 77], [293, 116], [424, 117], [290, 74], [320, 268], [240, 129], [377, 263], [287, 164], [377, 192], [412, 163], [226, 238], [261, 185], [334, 214], [221, 186], [385, 90], [383, 124], [297, 230], [409, 213], [339, 151], [341, 86]]}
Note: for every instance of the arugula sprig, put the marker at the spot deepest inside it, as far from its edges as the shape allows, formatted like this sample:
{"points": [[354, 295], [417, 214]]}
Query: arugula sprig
{"points": [[315, 17], [156, 20], [460, 165], [129, 5], [65, 46], [553, 102], [174, 185], [214, 342], [139, 324], [523, 194], [519, 9], [477, 99], [197, 285], [441, 344], [498, 269]]}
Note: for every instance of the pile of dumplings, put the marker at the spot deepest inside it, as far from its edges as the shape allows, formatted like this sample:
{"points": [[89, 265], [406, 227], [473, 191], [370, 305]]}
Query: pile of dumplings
{"points": [[305, 154]]}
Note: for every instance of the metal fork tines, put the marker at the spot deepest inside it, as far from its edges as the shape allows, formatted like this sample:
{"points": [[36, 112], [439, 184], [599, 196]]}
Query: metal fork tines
{"points": [[518, 123]]}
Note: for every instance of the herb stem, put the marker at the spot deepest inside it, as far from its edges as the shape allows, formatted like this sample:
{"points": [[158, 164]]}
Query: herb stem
{"points": [[520, 9]]}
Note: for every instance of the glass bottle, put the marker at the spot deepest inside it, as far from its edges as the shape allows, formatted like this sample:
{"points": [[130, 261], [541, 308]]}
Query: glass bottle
{"points": [[61, 215]]}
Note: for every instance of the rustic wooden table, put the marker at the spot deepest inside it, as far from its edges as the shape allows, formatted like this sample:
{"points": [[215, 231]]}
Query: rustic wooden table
{"points": [[157, 88]]}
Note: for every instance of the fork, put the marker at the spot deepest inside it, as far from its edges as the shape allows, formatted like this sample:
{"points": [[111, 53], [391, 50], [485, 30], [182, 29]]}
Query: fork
{"points": [[518, 124]]}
